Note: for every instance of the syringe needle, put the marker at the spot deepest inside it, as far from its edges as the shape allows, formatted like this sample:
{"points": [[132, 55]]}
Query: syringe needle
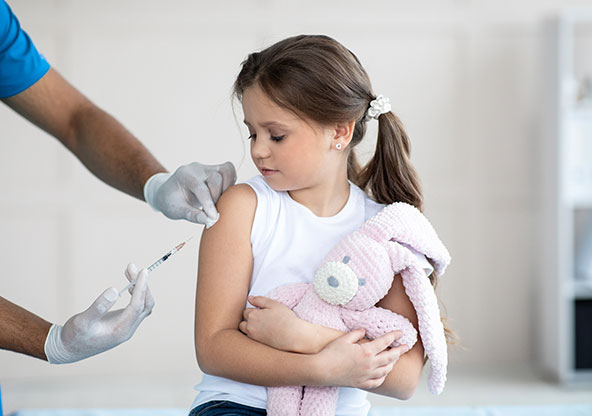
{"points": [[158, 263]]}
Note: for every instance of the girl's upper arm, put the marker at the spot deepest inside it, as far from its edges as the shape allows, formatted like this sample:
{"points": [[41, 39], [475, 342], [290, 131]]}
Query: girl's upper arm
{"points": [[396, 300], [225, 266], [224, 275]]}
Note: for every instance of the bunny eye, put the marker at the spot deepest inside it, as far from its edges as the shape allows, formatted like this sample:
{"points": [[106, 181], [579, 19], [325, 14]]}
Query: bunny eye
{"points": [[361, 282], [346, 259]]}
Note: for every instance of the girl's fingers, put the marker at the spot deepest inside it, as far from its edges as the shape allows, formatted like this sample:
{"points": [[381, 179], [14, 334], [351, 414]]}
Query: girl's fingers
{"points": [[379, 375], [390, 356], [262, 302], [353, 336], [386, 357], [385, 361], [383, 342], [246, 313], [373, 383], [243, 327]]}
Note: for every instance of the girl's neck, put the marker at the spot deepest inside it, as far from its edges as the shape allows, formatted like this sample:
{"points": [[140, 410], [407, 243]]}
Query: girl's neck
{"points": [[325, 199]]}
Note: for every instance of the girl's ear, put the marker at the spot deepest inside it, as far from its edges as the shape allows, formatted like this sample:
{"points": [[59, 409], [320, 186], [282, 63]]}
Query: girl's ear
{"points": [[343, 133]]}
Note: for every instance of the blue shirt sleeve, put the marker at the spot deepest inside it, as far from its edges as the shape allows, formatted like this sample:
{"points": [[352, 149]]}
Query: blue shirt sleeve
{"points": [[20, 64]]}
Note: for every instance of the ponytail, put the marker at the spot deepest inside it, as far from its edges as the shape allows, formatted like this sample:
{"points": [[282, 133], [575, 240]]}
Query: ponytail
{"points": [[389, 176]]}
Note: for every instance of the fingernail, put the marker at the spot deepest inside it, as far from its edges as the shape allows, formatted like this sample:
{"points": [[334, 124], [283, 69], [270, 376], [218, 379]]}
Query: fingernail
{"points": [[111, 295]]}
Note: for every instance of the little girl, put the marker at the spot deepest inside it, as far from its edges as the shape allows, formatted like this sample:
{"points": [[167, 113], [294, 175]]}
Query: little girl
{"points": [[306, 102]]}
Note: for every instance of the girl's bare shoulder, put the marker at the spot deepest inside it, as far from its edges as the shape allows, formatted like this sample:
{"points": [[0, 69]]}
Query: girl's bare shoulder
{"points": [[237, 205], [240, 195]]}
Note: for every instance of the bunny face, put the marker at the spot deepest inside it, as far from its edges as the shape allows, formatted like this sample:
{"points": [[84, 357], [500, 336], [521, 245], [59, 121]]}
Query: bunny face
{"points": [[356, 274], [335, 282]]}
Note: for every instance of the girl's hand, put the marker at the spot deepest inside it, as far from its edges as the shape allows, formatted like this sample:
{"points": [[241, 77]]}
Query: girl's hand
{"points": [[346, 363], [274, 324]]}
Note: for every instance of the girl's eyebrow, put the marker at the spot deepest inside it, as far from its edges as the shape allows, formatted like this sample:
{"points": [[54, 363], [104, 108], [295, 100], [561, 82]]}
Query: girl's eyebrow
{"points": [[268, 124]]}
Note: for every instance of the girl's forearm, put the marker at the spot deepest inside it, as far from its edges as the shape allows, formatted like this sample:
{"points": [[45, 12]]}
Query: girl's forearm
{"points": [[312, 338], [401, 381], [274, 324], [232, 355]]}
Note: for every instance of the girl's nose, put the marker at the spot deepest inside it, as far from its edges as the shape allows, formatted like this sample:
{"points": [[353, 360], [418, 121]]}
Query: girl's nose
{"points": [[259, 150]]}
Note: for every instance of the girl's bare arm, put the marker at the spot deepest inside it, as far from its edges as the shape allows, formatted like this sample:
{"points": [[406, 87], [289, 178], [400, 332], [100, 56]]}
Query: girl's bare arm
{"points": [[225, 266], [276, 325]]}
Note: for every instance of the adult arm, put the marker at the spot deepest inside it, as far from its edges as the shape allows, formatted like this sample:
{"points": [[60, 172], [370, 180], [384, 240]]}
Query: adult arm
{"points": [[224, 273], [93, 331], [22, 331], [116, 157], [101, 143]]}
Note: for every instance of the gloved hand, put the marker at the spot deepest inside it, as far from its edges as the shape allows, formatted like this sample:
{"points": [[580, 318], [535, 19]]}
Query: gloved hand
{"points": [[191, 192], [97, 329]]}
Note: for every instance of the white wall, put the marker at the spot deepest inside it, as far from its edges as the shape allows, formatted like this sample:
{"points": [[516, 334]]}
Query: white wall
{"points": [[462, 75]]}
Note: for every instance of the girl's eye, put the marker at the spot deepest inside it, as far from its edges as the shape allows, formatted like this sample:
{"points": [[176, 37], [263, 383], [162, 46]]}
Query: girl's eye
{"points": [[253, 136]]}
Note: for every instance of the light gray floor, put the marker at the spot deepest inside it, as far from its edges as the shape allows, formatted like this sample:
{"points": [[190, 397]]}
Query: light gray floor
{"points": [[516, 385], [471, 387]]}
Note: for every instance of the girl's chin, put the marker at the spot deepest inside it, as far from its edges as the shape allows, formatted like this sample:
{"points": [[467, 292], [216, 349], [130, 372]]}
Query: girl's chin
{"points": [[275, 184]]}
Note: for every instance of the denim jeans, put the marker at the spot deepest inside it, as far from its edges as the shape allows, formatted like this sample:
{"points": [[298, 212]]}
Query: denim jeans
{"points": [[218, 408]]}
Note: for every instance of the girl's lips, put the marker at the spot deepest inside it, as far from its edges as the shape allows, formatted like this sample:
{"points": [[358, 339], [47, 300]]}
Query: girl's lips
{"points": [[267, 172]]}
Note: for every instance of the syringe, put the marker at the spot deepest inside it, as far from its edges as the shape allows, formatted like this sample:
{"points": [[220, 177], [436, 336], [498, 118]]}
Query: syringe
{"points": [[158, 262]]}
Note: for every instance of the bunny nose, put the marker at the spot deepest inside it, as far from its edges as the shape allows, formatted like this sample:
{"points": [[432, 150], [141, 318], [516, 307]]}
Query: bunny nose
{"points": [[332, 281]]}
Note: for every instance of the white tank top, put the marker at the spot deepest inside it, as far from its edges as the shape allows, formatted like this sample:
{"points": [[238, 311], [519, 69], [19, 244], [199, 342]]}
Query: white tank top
{"points": [[289, 242]]}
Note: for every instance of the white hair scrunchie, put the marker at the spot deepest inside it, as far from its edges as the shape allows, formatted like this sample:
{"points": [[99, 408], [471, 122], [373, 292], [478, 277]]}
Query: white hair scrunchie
{"points": [[378, 106]]}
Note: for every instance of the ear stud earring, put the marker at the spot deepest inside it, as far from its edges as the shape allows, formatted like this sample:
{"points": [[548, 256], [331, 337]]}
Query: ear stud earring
{"points": [[338, 146]]}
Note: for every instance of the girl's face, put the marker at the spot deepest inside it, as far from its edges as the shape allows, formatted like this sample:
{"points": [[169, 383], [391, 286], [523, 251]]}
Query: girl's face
{"points": [[289, 152]]}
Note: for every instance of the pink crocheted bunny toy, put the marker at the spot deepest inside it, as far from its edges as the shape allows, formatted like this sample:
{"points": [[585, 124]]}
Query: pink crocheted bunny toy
{"points": [[353, 277]]}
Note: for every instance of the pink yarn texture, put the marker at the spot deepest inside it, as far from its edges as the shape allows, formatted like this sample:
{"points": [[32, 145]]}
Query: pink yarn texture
{"points": [[353, 277]]}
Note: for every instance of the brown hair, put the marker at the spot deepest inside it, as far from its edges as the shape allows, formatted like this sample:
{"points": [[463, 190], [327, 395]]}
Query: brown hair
{"points": [[318, 79]]}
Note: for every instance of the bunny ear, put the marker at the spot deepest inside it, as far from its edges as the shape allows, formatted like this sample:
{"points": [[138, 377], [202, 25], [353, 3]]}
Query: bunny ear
{"points": [[421, 294], [404, 223], [400, 257]]}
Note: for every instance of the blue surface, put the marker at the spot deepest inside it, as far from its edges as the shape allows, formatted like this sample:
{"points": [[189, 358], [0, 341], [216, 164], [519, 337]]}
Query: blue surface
{"points": [[102, 412], [20, 64], [550, 410]]}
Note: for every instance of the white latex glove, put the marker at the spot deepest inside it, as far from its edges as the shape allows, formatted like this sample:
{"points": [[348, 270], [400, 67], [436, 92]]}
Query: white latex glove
{"points": [[97, 329], [191, 192]]}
